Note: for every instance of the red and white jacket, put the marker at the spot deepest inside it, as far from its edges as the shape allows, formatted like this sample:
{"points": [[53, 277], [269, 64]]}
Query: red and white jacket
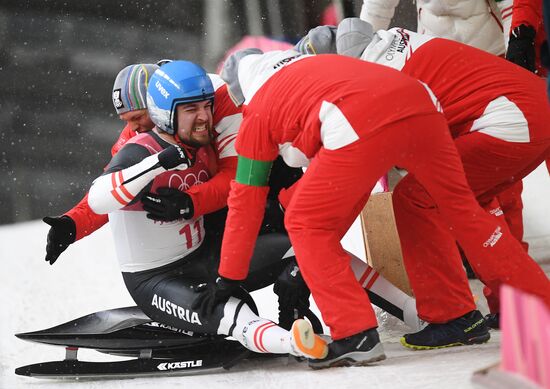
{"points": [[294, 105], [141, 243], [477, 91]]}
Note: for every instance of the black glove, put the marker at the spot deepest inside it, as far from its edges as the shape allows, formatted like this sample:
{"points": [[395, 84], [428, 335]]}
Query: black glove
{"points": [[168, 204], [293, 295], [521, 47], [212, 294], [174, 156], [60, 236], [274, 217]]}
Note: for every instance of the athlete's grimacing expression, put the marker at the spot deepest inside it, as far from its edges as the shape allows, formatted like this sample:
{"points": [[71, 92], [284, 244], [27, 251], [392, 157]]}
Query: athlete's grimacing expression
{"points": [[195, 123], [138, 120]]}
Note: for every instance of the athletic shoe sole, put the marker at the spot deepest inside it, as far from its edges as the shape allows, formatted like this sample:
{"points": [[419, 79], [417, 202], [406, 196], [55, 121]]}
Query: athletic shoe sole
{"points": [[475, 340], [306, 341], [354, 358]]}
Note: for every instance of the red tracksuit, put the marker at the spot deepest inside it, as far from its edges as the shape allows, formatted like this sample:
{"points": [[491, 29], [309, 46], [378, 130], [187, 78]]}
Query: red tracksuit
{"points": [[526, 12], [355, 120], [479, 94]]}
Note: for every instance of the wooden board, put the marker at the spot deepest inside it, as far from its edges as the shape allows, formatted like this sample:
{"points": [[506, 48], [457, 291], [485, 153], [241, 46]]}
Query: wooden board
{"points": [[382, 240]]}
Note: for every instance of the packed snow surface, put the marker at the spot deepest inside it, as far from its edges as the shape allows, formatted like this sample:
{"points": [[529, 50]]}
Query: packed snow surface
{"points": [[86, 279]]}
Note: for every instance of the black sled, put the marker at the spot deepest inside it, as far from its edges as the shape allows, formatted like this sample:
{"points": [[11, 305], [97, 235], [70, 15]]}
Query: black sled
{"points": [[155, 349]]}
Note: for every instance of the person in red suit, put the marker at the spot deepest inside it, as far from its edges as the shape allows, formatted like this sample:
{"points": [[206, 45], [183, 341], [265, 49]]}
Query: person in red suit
{"points": [[334, 115], [129, 91]]}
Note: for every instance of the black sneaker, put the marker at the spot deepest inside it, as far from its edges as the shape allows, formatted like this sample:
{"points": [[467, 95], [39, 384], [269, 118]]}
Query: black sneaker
{"points": [[493, 320], [468, 329], [356, 350]]}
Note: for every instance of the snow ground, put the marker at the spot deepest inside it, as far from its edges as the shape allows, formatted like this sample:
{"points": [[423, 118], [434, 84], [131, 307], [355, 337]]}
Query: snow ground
{"points": [[86, 279]]}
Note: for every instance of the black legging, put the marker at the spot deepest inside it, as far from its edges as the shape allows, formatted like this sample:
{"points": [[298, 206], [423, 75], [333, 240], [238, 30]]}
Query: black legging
{"points": [[166, 294]]}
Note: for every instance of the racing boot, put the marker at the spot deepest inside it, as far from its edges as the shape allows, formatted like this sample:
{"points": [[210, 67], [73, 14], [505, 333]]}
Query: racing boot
{"points": [[305, 343], [468, 329], [293, 295], [356, 350]]}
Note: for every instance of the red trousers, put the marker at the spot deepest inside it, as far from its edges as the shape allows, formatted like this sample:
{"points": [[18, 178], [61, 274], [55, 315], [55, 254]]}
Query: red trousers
{"points": [[428, 235], [337, 185], [512, 206]]}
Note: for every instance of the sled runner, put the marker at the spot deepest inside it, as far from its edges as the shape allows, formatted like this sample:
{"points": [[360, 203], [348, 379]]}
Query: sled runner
{"points": [[156, 349]]}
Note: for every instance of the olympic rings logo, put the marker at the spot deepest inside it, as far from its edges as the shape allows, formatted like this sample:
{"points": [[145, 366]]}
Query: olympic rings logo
{"points": [[189, 180]]}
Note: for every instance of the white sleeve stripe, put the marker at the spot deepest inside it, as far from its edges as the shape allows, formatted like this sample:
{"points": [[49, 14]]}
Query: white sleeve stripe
{"points": [[227, 130], [228, 150], [229, 124], [433, 97], [221, 143], [336, 130], [504, 120], [225, 142]]}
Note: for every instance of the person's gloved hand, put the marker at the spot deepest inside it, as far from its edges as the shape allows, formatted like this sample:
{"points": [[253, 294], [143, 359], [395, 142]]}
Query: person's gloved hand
{"points": [[62, 233], [293, 295], [168, 204], [212, 294], [274, 217], [175, 156], [521, 47]]}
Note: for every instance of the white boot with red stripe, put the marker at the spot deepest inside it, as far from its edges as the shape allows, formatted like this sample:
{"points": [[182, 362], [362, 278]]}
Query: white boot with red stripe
{"points": [[263, 336]]}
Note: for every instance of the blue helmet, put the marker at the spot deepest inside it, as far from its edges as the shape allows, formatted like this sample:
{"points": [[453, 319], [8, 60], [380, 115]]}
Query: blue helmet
{"points": [[176, 82]]}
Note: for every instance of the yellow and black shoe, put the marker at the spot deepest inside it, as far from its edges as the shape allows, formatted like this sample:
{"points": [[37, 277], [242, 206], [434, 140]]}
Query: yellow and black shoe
{"points": [[465, 330]]}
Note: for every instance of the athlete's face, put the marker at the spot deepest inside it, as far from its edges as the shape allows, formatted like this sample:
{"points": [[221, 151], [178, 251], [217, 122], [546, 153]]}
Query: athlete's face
{"points": [[139, 120], [195, 123]]}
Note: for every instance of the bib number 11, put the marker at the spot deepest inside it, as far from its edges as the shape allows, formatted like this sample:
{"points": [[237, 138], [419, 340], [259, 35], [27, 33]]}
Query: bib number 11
{"points": [[186, 231]]}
